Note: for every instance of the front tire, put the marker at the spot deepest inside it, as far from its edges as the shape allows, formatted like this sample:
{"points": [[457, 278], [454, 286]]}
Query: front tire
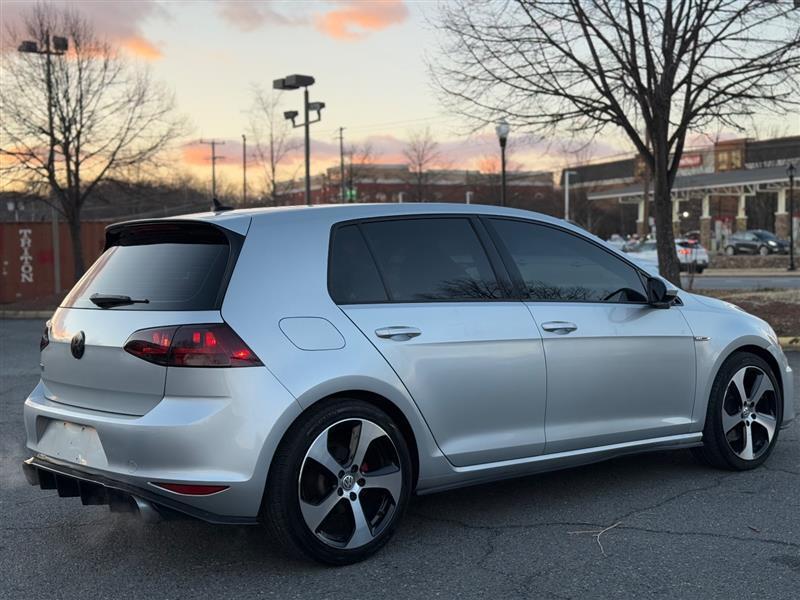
{"points": [[763, 251], [339, 483], [744, 415], [730, 250]]}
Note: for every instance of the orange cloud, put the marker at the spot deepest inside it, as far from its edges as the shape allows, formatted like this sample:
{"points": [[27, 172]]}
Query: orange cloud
{"points": [[138, 46], [355, 20]]}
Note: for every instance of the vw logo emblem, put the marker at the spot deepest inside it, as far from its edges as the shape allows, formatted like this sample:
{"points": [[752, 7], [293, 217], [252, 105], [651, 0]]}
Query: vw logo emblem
{"points": [[348, 481], [78, 344]]}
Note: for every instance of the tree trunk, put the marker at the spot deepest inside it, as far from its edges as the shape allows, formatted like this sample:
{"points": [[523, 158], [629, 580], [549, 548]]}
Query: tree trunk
{"points": [[77, 248], [668, 264]]}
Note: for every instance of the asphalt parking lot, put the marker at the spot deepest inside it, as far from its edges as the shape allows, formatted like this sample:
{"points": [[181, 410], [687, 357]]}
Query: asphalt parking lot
{"points": [[673, 529]]}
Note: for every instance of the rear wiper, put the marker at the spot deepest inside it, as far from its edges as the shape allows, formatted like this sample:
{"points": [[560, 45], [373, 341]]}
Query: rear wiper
{"points": [[109, 300]]}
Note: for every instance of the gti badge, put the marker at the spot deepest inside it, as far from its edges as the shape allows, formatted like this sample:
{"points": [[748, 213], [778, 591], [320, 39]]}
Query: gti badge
{"points": [[78, 344]]}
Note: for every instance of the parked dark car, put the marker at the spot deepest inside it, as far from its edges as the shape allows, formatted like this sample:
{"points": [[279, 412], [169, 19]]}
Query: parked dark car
{"points": [[755, 241]]}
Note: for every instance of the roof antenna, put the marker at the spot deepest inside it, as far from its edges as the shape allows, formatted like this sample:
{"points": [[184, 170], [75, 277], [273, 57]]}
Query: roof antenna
{"points": [[217, 206]]}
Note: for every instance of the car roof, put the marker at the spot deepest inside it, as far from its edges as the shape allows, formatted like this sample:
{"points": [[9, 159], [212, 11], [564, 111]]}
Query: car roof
{"points": [[239, 219]]}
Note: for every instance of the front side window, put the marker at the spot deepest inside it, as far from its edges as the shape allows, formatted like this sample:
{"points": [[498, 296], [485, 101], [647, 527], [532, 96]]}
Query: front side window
{"points": [[432, 259], [558, 266]]}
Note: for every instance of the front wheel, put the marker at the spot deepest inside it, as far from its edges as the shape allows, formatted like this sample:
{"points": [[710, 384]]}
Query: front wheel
{"points": [[339, 483], [744, 415], [763, 251], [730, 250]]}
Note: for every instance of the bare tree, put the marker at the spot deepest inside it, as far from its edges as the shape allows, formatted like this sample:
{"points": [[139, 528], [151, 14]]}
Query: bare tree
{"points": [[273, 141], [422, 153], [72, 120], [654, 70]]}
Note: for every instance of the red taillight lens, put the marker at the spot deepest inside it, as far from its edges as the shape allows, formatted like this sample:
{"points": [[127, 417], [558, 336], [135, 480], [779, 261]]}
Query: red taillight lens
{"points": [[215, 345], [684, 251], [189, 489]]}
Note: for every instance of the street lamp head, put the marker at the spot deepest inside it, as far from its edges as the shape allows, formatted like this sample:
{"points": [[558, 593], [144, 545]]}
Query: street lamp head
{"points": [[317, 106], [29, 46], [790, 170], [293, 82], [502, 129], [290, 115]]}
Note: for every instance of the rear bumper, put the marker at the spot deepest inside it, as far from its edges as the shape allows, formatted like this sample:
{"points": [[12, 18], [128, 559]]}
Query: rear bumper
{"points": [[213, 427], [97, 489]]}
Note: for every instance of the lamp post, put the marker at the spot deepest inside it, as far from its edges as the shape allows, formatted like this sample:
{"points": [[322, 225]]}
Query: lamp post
{"points": [[294, 82], [566, 193], [790, 172], [53, 46], [502, 130]]}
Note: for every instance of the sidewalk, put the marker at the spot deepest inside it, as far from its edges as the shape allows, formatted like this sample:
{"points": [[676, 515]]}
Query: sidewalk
{"points": [[711, 272]]}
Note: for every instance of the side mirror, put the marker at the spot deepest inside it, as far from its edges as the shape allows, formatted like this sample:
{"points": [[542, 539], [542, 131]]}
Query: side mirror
{"points": [[658, 296]]}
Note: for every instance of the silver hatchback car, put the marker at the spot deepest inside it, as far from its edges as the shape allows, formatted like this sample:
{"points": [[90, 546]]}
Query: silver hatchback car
{"points": [[310, 368]]}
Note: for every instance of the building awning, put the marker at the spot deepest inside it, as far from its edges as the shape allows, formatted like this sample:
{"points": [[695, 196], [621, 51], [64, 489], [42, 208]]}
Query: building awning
{"points": [[742, 181]]}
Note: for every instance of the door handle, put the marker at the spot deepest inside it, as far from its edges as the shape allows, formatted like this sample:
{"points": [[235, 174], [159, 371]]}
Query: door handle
{"points": [[397, 333], [559, 327]]}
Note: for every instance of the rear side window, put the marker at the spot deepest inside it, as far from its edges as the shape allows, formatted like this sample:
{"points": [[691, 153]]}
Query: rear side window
{"points": [[436, 259], [558, 266], [173, 267], [353, 277]]}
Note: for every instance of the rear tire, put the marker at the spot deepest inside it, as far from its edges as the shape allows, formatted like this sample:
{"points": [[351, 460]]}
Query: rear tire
{"points": [[730, 250], [745, 412], [340, 517]]}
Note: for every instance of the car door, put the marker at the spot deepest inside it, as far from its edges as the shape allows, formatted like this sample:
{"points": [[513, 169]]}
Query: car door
{"points": [[618, 370], [470, 356], [750, 242]]}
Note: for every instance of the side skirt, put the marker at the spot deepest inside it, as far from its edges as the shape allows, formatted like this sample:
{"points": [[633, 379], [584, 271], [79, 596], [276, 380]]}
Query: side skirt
{"points": [[478, 474]]}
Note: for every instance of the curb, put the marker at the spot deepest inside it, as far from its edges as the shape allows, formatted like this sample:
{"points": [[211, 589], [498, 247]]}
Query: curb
{"points": [[790, 343], [26, 314]]}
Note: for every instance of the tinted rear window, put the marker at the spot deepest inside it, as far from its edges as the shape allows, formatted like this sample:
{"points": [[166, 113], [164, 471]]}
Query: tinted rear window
{"points": [[436, 259], [353, 277], [173, 267]]}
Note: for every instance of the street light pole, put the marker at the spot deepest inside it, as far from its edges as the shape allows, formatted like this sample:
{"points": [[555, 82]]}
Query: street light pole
{"points": [[790, 172], [307, 128], [502, 131], [341, 163], [294, 82], [55, 46]]}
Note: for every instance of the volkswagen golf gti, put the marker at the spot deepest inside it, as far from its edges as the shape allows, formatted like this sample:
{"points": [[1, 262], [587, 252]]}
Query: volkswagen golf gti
{"points": [[308, 369]]}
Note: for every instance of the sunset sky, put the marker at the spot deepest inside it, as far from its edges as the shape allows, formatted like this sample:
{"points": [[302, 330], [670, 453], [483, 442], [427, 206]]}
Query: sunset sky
{"points": [[368, 58]]}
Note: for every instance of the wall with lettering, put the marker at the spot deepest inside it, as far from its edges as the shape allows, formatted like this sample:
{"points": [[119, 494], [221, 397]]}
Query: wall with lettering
{"points": [[27, 258]]}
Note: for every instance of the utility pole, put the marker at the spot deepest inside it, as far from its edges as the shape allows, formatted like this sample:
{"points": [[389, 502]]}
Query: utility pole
{"points": [[341, 162], [214, 159], [244, 170]]}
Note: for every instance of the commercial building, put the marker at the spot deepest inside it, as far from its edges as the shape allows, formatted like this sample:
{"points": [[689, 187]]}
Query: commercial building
{"points": [[728, 186]]}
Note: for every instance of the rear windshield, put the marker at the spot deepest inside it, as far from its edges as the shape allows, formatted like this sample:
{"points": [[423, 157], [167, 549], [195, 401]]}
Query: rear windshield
{"points": [[173, 267]]}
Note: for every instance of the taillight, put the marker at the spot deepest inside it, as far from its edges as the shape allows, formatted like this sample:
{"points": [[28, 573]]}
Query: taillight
{"points": [[684, 251], [45, 339], [214, 345]]}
